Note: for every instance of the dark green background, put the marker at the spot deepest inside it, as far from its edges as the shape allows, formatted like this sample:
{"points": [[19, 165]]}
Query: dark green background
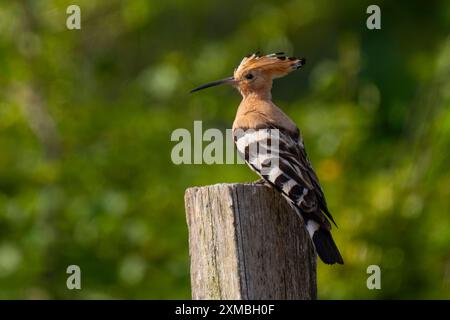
{"points": [[86, 117]]}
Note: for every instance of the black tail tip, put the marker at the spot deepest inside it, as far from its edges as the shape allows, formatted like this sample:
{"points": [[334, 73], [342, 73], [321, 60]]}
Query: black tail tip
{"points": [[326, 248]]}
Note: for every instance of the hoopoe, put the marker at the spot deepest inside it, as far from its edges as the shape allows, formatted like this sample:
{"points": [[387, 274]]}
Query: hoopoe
{"points": [[257, 119]]}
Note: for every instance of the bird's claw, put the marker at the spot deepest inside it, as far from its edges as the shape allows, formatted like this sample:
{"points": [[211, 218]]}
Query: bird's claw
{"points": [[261, 182]]}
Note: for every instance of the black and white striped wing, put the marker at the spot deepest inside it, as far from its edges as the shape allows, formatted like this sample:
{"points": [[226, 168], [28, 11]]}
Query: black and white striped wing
{"points": [[280, 159]]}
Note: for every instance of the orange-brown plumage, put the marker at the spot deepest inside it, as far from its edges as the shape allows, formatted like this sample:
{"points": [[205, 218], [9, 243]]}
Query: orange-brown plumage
{"points": [[263, 69], [257, 109], [275, 65], [255, 112]]}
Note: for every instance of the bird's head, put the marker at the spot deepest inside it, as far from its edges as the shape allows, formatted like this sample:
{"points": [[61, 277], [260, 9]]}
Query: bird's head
{"points": [[255, 73]]}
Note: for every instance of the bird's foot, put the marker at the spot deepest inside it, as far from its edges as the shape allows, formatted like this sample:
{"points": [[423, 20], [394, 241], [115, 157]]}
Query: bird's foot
{"points": [[261, 182]]}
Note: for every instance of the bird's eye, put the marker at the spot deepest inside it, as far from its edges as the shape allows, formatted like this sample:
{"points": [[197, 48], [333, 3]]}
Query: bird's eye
{"points": [[249, 76]]}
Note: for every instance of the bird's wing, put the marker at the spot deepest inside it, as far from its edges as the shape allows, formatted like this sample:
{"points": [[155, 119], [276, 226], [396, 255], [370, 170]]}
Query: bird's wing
{"points": [[299, 146], [279, 157]]}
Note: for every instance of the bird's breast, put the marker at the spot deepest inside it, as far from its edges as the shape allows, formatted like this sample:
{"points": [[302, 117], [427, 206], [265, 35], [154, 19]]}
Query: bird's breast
{"points": [[262, 115]]}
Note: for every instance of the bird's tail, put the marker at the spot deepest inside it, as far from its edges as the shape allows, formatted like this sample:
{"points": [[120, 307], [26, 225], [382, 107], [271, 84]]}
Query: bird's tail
{"points": [[323, 242]]}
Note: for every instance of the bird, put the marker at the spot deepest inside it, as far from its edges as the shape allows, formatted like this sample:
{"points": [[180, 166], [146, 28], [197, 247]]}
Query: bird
{"points": [[272, 145]]}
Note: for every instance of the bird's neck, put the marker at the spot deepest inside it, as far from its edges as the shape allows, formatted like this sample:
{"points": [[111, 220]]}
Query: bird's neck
{"points": [[258, 111], [262, 95]]}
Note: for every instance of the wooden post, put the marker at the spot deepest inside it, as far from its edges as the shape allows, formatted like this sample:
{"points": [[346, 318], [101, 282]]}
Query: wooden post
{"points": [[246, 242]]}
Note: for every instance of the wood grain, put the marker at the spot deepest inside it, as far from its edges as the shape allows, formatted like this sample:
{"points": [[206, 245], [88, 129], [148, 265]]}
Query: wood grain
{"points": [[246, 242]]}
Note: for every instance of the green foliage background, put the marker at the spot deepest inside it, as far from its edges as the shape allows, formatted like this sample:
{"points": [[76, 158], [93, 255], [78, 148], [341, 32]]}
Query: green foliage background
{"points": [[86, 117]]}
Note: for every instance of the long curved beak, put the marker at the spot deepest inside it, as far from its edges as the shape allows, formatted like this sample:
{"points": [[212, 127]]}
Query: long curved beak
{"points": [[229, 80]]}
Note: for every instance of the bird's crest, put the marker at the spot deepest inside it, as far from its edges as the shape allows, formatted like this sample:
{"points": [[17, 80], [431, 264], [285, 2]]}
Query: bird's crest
{"points": [[276, 64], [270, 66]]}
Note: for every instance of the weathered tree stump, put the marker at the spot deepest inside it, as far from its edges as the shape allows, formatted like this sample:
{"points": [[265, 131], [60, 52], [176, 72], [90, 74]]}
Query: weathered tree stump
{"points": [[246, 242]]}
